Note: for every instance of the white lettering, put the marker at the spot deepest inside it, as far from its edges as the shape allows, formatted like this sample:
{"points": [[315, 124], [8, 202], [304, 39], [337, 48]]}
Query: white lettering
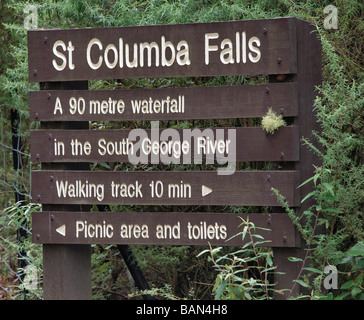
{"points": [[134, 231], [209, 47], [70, 49], [243, 50], [205, 231], [90, 230], [183, 57], [58, 106], [140, 54], [59, 67], [226, 55], [169, 45], [126, 190], [149, 47], [255, 58], [106, 56], [79, 189], [92, 65], [121, 147]]}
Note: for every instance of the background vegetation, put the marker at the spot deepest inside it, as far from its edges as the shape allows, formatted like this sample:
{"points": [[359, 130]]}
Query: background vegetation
{"points": [[182, 272]]}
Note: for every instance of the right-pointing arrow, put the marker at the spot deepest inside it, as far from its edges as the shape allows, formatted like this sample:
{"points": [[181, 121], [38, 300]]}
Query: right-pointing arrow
{"points": [[62, 230], [206, 190]]}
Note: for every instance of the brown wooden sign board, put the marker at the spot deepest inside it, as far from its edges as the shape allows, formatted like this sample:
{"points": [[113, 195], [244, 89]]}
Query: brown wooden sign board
{"points": [[182, 146], [159, 228], [246, 101], [247, 47], [62, 59], [250, 188]]}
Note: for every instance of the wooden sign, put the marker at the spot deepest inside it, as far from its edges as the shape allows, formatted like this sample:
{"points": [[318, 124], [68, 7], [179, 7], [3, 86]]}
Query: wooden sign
{"points": [[159, 228], [249, 188], [246, 101], [64, 60], [182, 146], [248, 47]]}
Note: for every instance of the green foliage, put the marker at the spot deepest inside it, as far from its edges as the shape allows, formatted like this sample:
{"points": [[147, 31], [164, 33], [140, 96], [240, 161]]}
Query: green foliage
{"points": [[245, 273], [338, 182], [324, 248], [110, 278], [177, 266], [15, 217], [351, 274], [19, 214], [165, 293], [354, 258]]}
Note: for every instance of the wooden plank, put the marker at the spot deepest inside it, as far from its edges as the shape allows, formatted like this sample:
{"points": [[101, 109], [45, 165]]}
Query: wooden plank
{"points": [[66, 268], [307, 78], [159, 228], [67, 272], [246, 101], [200, 49], [250, 188], [185, 146]]}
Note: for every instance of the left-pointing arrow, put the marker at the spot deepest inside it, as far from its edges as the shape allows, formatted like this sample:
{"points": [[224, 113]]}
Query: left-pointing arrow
{"points": [[62, 230]]}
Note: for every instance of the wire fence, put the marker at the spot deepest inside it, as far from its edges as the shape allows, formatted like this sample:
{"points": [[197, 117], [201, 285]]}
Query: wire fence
{"points": [[15, 208]]}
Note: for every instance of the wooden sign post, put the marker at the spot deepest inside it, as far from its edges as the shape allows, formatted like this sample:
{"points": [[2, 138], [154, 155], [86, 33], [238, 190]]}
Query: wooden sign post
{"points": [[64, 60]]}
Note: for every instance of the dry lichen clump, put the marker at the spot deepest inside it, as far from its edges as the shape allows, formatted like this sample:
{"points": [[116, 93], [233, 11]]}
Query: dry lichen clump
{"points": [[272, 122]]}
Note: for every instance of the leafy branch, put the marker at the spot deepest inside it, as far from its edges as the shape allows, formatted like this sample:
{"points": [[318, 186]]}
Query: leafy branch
{"points": [[242, 274]]}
